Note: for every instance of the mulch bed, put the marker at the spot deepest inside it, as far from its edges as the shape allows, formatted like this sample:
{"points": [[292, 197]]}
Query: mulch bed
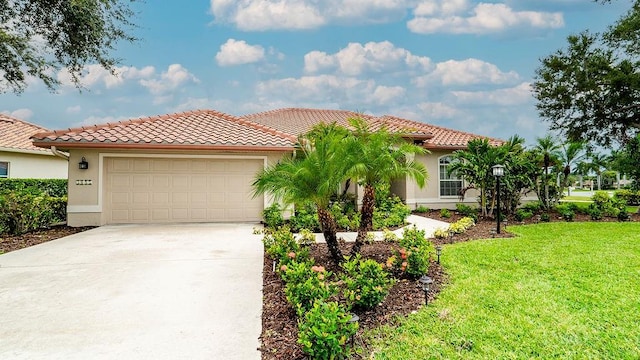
{"points": [[15, 242], [279, 322]]}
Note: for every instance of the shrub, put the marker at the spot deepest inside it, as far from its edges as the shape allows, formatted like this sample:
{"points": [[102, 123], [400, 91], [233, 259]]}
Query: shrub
{"points": [[281, 243], [600, 199], [346, 218], [50, 187], [325, 330], [305, 217], [467, 210], [445, 213], [544, 217], [608, 206], [21, 213], [306, 237], [594, 212], [366, 283], [412, 258], [390, 236], [272, 216], [623, 215], [629, 197], [306, 283], [441, 233], [565, 210], [533, 206], [422, 209], [390, 212], [522, 214]]}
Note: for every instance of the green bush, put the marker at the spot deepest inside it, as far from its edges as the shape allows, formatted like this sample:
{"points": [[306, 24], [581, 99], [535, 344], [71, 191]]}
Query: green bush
{"points": [[281, 243], [600, 199], [594, 212], [544, 217], [466, 210], [533, 206], [50, 187], [629, 197], [623, 215], [522, 214], [21, 213], [272, 216], [306, 217], [441, 233], [325, 330], [366, 283], [445, 213], [422, 209], [610, 207], [345, 216], [305, 283], [412, 258], [566, 211], [390, 212]]}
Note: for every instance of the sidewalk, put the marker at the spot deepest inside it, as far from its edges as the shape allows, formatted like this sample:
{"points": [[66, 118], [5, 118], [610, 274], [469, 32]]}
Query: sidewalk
{"points": [[422, 223]]}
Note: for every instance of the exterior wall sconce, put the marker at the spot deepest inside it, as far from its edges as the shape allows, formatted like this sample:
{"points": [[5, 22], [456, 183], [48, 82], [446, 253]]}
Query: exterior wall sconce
{"points": [[83, 164]]}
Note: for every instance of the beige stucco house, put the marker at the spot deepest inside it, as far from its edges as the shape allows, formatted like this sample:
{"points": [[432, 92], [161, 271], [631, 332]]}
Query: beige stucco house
{"points": [[20, 159], [198, 166]]}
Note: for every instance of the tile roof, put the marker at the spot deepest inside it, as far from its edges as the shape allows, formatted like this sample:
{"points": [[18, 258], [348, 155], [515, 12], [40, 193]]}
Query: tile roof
{"points": [[297, 121], [211, 130], [200, 129], [15, 134], [444, 138]]}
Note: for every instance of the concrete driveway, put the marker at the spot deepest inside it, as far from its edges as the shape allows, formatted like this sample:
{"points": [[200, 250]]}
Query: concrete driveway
{"points": [[180, 291]]}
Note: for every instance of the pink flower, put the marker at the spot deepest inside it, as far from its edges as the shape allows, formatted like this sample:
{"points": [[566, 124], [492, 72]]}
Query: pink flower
{"points": [[317, 268], [291, 255], [283, 268]]}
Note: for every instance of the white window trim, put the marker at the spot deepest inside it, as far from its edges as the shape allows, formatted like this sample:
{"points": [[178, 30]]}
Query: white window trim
{"points": [[440, 196]]}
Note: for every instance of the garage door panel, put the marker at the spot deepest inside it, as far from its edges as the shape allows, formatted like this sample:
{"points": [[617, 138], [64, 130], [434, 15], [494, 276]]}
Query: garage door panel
{"points": [[142, 190]]}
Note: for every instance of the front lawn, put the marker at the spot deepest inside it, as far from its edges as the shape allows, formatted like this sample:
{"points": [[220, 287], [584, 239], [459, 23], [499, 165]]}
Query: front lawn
{"points": [[560, 290]]}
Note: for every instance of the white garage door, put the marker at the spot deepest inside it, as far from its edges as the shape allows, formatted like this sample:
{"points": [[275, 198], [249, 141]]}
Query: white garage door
{"points": [[149, 190]]}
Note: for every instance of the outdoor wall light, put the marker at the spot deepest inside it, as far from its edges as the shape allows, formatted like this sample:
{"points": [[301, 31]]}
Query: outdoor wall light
{"points": [[498, 172], [426, 284], [83, 164], [438, 252]]}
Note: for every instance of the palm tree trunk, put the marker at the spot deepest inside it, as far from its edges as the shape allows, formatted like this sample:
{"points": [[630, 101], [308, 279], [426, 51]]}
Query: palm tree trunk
{"points": [[330, 230], [366, 217]]}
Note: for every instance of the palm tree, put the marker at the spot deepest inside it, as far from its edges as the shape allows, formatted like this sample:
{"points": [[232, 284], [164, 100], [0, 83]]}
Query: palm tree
{"points": [[378, 157], [312, 177], [572, 153], [598, 163], [474, 165], [548, 148]]}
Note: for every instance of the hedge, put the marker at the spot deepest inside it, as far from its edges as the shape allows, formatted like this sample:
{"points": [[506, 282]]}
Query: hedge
{"points": [[50, 187]]}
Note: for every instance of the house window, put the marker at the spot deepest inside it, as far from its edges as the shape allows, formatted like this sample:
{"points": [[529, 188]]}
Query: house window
{"points": [[450, 185], [4, 169]]}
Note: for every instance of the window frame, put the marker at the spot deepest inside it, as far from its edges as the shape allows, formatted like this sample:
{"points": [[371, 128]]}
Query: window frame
{"points": [[448, 179], [8, 169]]}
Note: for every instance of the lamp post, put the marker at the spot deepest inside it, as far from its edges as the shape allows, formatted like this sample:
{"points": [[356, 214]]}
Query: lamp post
{"points": [[354, 319], [438, 252], [426, 283], [498, 172]]}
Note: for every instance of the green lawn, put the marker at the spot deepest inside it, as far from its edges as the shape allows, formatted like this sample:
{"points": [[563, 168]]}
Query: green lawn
{"points": [[560, 290]]}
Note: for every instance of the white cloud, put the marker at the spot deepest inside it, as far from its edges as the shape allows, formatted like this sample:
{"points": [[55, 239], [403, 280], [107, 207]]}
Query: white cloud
{"points": [[372, 57], [386, 94], [466, 72], [98, 120], [438, 110], [238, 52], [446, 16], [513, 96], [73, 109], [175, 76], [260, 15], [95, 74], [21, 114]]}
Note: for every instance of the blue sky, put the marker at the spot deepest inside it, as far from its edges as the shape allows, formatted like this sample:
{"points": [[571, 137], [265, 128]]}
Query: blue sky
{"points": [[462, 64]]}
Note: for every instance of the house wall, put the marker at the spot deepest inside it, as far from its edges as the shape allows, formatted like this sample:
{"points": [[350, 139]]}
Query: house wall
{"points": [[429, 195], [86, 191], [34, 166]]}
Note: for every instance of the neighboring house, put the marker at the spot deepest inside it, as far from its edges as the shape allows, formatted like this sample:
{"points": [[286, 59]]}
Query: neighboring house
{"points": [[19, 158], [198, 166]]}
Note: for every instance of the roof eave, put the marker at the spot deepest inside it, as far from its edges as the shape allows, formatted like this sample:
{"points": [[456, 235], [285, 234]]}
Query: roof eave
{"points": [[138, 146], [26, 151]]}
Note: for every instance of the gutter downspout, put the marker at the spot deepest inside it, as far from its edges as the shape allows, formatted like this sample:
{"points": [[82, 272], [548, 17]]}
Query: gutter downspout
{"points": [[58, 153]]}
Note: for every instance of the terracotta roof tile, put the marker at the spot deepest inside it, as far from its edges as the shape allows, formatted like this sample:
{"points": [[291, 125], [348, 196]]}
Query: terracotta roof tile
{"points": [[443, 138], [15, 134], [197, 128]]}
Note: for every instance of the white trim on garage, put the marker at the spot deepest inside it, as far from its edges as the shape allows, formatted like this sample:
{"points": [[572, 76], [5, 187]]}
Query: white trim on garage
{"points": [[99, 207]]}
